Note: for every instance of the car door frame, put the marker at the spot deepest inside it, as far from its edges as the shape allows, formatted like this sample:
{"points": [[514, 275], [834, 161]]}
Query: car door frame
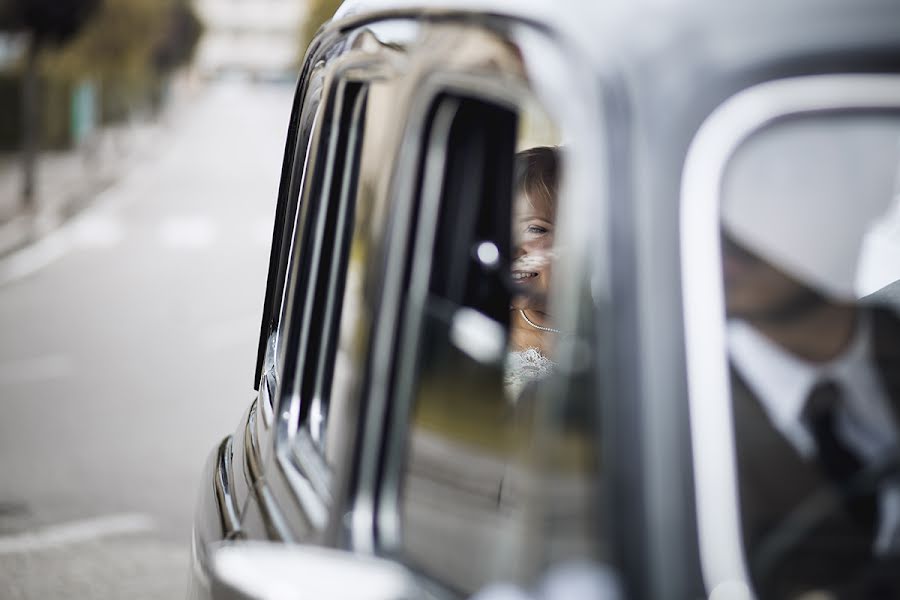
{"points": [[286, 468]]}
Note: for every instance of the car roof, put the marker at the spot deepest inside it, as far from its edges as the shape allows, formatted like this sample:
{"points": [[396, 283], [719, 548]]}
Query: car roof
{"points": [[582, 20], [598, 26]]}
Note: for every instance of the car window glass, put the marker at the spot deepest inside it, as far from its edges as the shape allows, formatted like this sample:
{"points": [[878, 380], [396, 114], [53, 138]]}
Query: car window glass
{"points": [[343, 285], [810, 250], [290, 258], [354, 305], [328, 238], [495, 453], [283, 237]]}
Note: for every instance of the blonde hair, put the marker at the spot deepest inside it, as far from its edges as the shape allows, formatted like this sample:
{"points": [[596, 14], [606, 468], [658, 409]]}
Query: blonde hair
{"points": [[537, 174]]}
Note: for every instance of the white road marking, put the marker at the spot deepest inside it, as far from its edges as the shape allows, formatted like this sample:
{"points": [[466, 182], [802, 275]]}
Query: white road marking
{"points": [[39, 368], [74, 532], [90, 228], [187, 232], [97, 231]]}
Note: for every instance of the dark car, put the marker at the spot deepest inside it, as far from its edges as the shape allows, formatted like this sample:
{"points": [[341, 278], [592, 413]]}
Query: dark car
{"points": [[588, 298]]}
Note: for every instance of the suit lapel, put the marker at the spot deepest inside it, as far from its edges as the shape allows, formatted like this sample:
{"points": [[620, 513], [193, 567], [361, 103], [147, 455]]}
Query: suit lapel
{"points": [[773, 477], [886, 349]]}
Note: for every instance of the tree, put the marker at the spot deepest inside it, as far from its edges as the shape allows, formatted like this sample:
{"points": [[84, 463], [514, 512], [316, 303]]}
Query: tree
{"points": [[46, 22], [176, 47], [127, 48], [54, 20], [118, 43]]}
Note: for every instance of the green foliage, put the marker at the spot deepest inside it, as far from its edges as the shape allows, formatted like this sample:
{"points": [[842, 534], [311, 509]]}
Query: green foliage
{"points": [[128, 38], [177, 45], [118, 42], [53, 21], [127, 48]]}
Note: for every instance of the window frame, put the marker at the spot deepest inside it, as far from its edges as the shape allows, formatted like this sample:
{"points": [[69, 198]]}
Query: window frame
{"points": [[722, 557], [448, 104], [370, 488], [289, 204], [326, 190], [374, 500], [297, 457], [338, 263]]}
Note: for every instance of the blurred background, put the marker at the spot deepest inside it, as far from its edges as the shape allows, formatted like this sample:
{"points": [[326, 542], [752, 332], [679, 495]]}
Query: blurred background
{"points": [[140, 150]]}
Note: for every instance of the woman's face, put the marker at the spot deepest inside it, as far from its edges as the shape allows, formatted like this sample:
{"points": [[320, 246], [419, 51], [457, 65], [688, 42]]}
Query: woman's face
{"points": [[533, 228]]}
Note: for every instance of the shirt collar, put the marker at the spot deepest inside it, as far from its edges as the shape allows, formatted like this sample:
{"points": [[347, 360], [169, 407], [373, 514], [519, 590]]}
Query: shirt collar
{"points": [[780, 380]]}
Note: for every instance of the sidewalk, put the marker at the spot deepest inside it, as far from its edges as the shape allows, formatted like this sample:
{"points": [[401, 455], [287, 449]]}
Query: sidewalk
{"points": [[66, 181]]}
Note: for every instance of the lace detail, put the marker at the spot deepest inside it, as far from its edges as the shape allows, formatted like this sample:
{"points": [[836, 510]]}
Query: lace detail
{"points": [[523, 367]]}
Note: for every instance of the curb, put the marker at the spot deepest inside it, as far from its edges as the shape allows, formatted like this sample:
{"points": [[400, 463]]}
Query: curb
{"points": [[15, 234], [31, 241]]}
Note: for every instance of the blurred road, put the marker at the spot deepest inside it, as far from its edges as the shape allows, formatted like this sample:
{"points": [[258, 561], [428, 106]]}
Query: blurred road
{"points": [[127, 352]]}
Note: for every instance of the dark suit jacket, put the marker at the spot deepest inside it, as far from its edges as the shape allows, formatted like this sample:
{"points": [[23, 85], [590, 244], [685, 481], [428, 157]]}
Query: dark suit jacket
{"points": [[796, 534]]}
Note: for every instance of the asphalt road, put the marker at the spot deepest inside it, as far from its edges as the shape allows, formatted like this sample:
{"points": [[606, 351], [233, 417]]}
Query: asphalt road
{"points": [[127, 352]]}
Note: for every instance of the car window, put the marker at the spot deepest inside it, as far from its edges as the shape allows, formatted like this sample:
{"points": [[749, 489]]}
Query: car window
{"points": [[307, 127], [337, 276], [491, 448], [425, 262], [330, 233], [281, 257], [331, 418], [322, 245], [810, 255]]}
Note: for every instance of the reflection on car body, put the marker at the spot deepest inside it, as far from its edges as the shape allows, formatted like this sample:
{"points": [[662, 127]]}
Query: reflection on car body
{"points": [[575, 296]]}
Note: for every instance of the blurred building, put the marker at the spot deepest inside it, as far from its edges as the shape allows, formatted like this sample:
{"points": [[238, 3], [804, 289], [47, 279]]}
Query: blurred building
{"points": [[258, 38]]}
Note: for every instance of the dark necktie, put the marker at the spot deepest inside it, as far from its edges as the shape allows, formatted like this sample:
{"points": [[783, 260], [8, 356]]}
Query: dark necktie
{"points": [[837, 459]]}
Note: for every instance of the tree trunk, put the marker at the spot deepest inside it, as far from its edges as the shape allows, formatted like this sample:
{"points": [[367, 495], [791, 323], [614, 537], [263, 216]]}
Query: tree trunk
{"points": [[30, 124]]}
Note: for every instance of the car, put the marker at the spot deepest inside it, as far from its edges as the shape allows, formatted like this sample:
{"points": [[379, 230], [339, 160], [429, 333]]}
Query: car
{"points": [[553, 289]]}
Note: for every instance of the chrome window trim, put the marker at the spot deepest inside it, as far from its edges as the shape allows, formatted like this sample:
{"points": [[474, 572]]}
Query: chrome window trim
{"points": [[337, 95], [269, 511], [381, 506], [228, 509], [306, 99], [308, 478], [301, 464], [715, 479], [278, 351], [343, 73], [369, 503], [423, 233], [337, 271], [373, 400]]}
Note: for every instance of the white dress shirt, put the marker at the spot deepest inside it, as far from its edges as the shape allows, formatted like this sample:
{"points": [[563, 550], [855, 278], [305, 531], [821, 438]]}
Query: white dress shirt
{"points": [[782, 382]]}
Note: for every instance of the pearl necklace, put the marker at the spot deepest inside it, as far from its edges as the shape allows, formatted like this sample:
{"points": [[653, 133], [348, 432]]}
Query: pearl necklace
{"points": [[535, 325]]}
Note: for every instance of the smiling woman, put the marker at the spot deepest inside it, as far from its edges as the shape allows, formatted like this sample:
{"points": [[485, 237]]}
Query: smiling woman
{"points": [[532, 333]]}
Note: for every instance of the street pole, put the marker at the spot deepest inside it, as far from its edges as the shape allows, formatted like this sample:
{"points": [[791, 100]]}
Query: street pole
{"points": [[30, 112]]}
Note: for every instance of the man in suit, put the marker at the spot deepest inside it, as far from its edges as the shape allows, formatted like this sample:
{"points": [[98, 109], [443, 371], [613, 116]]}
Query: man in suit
{"points": [[815, 377], [809, 521]]}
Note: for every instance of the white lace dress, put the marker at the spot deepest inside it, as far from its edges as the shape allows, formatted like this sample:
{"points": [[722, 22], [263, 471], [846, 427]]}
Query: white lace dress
{"points": [[523, 367]]}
